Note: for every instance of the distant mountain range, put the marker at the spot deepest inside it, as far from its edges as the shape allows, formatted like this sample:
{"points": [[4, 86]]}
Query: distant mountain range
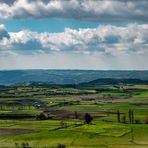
{"points": [[12, 77]]}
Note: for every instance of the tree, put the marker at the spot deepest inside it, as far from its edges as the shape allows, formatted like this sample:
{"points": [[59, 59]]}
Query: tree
{"points": [[88, 118], [124, 119], [76, 115], [129, 115], [132, 116], [118, 115]]}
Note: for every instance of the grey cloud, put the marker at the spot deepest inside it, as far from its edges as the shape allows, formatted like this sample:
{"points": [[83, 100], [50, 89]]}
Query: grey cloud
{"points": [[3, 32], [86, 10], [29, 47], [9, 2]]}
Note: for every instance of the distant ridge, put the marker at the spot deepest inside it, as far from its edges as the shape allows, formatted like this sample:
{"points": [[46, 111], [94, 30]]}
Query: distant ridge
{"points": [[108, 81], [11, 77]]}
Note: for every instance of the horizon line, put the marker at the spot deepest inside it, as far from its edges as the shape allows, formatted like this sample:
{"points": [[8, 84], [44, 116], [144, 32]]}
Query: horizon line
{"points": [[60, 69]]}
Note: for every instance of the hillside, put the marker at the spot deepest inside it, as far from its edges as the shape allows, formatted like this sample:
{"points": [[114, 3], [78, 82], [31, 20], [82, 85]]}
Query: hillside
{"points": [[65, 76], [109, 81]]}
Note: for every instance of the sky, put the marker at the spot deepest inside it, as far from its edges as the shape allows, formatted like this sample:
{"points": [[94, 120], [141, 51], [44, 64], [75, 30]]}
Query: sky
{"points": [[74, 34]]}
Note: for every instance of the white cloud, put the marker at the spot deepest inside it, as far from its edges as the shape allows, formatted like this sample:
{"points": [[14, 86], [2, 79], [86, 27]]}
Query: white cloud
{"points": [[92, 10], [104, 47], [113, 40]]}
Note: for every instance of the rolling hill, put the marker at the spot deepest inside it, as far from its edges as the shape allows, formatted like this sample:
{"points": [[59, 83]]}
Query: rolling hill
{"points": [[11, 77]]}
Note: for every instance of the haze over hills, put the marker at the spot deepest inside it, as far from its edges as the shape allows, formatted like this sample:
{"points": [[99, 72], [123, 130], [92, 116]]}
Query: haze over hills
{"points": [[11, 77]]}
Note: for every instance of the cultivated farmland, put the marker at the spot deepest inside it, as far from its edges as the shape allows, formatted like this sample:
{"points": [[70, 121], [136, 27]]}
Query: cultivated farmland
{"points": [[54, 116]]}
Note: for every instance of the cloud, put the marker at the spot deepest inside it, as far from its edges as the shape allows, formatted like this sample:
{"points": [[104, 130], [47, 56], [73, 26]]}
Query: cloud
{"points": [[3, 32], [105, 39], [24, 42], [87, 10], [9, 2], [104, 47]]}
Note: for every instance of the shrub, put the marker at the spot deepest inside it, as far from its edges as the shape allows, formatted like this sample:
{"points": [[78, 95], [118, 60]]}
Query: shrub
{"points": [[137, 121], [41, 116], [146, 120], [22, 145], [61, 146]]}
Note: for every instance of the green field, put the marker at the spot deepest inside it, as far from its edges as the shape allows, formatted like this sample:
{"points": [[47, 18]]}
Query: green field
{"points": [[20, 107]]}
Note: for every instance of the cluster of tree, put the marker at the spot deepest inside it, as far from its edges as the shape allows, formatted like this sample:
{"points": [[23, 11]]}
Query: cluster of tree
{"points": [[43, 116], [123, 119], [61, 146], [87, 117], [130, 116]]}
